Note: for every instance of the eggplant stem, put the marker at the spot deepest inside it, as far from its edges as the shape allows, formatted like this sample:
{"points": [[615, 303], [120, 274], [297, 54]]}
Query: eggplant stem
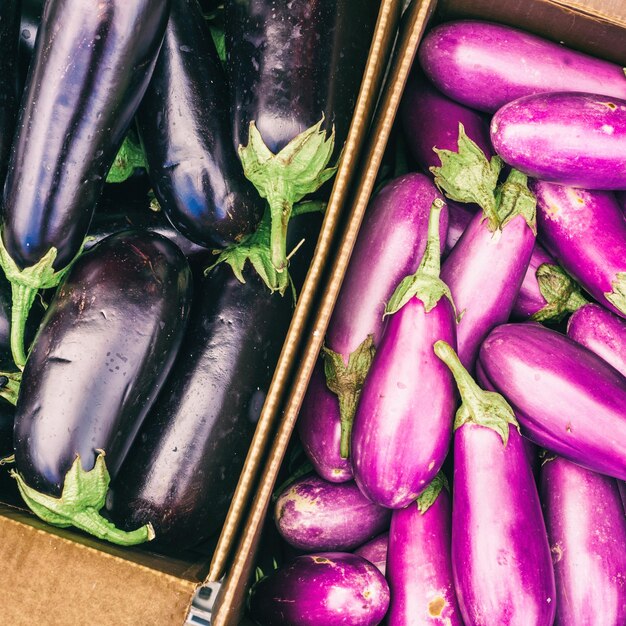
{"points": [[471, 393], [22, 301], [347, 409], [93, 523], [280, 210], [431, 261]]}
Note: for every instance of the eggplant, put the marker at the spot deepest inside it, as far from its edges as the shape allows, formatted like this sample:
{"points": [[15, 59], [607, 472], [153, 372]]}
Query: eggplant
{"points": [[458, 219], [399, 442], [500, 552], [586, 232], [390, 245], [183, 124], [7, 419], [587, 531], [315, 515], [485, 65], [330, 588], [102, 353], [585, 144], [419, 567], [294, 68], [375, 551], [566, 398], [89, 72]]}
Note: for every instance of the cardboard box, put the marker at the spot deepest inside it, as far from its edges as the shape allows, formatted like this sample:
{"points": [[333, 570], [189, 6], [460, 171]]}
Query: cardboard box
{"points": [[594, 26], [57, 577]]}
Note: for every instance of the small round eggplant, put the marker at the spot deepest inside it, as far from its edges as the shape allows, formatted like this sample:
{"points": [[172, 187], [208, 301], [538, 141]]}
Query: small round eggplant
{"points": [[576, 139], [330, 588], [587, 531], [375, 551], [315, 515]]}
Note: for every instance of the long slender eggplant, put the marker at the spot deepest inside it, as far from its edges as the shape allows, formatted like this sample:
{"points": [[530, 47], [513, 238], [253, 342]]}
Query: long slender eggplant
{"points": [[566, 398], [390, 245], [500, 552], [30, 18], [459, 218], [399, 441], [315, 515], [419, 564], [183, 125], [587, 531], [101, 355], [486, 267], [295, 68], [375, 551], [586, 233], [90, 69]]}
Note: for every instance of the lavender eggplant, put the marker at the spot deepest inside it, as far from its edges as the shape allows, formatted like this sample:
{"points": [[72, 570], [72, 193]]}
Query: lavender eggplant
{"points": [[419, 565], [315, 515], [399, 442], [390, 245], [484, 65], [88, 74], [458, 219], [585, 146], [500, 553], [330, 588], [587, 531], [375, 551], [586, 232], [110, 334], [566, 398], [486, 267]]}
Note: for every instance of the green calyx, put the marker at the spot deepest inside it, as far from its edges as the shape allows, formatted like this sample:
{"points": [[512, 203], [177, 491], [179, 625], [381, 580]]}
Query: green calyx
{"points": [[561, 293], [617, 297], [427, 498], [10, 386], [425, 284], [129, 157], [299, 169], [481, 407], [513, 198], [83, 496], [346, 382]]}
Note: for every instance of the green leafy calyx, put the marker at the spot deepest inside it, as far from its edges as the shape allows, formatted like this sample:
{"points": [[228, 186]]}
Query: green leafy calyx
{"points": [[129, 157], [561, 293], [617, 297], [427, 498]]}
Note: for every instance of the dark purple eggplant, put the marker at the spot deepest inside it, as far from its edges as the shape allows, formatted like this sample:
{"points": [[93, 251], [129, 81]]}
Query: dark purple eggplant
{"points": [[7, 419], [183, 126], [102, 353], [30, 18], [90, 69], [375, 551]]}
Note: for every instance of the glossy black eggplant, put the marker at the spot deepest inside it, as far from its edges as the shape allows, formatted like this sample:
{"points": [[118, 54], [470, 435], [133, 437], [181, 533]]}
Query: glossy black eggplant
{"points": [[31, 11], [184, 130], [105, 346], [90, 69]]}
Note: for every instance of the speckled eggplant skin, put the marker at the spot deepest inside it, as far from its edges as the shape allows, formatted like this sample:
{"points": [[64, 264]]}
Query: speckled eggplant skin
{"points": [[102, 353], [90, 69], [330, 588], [576, 139], [390, 245], [601, 332], [587, 531], [586, 232], [183, 123], [375, 551], [315, 515], [500, 553], [485, 65], [419, 567], [565, 397]]}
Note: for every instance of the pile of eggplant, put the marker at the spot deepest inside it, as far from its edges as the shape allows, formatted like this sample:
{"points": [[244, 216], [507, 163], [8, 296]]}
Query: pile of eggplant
{"points": [[152, 155], [465, 427]]}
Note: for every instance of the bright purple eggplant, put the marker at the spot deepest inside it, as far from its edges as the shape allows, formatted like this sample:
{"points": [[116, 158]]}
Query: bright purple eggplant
{"points": [[390, 245], [587, 531], [576, 139], [500, 553], [566, 398], [375, 551], [458, 219], [485, 65], [586, 233], [403, 422], [601, 332], [329, 588], [315, 515], [419, 563]]}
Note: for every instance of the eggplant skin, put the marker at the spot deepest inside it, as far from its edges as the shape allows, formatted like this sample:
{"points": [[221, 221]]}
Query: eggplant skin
{"points": [[105, 346]]}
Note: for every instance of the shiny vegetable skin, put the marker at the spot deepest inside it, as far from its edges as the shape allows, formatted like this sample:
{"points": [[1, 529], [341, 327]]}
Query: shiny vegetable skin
{"points": [[566, 398], [110, 335], [315, 515], [484, 65], [390, 244], [183, 123], [587, 531], [586, 232], [330, 588], [375, 551], [585, 146]]}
